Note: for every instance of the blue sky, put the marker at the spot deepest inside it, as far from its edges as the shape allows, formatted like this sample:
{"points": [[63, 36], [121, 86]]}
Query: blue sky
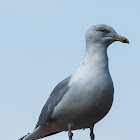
{"points": [[42, 42]]}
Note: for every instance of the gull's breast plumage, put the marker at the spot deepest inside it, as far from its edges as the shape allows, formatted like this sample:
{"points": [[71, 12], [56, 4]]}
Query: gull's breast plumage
{"points": [[90, 95]]}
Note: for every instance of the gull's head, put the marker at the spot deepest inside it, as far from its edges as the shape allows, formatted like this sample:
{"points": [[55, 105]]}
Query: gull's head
{"points": [[103, 34]]}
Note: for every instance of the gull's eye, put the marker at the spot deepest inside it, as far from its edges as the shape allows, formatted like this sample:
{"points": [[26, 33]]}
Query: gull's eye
{"points": [[104, 31]]}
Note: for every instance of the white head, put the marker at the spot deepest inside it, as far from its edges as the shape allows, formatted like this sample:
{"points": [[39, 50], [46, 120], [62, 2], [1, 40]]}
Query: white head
{"points": [[103, 34]]}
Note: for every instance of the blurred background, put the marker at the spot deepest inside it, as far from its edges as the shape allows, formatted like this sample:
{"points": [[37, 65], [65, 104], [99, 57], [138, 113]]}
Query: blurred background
{"points": [[43, 42]]}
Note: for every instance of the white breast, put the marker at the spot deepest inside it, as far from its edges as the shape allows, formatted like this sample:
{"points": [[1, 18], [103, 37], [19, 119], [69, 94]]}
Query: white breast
{"points": [[91, 89]]}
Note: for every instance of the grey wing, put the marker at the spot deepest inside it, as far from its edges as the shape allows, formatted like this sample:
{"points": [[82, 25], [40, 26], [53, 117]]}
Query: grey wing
{"points": [[55, 97]]}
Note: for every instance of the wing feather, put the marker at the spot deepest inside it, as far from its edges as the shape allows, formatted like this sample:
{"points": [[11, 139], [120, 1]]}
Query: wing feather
{"points": [[57, 94]]}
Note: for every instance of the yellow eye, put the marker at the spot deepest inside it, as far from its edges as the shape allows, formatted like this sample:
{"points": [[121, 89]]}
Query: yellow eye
{"points": [[104, 31]]}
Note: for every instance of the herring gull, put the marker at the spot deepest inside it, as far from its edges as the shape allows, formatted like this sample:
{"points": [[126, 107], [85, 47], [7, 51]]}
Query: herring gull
{"points": [[85, 97]]}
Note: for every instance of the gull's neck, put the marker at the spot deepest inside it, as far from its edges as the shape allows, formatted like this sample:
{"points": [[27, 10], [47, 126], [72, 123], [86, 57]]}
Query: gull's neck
{"points": [[94, 64], [96, 56]]}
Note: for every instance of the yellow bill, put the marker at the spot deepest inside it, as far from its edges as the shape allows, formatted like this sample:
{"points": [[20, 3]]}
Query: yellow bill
{"points": [[121, 39]]}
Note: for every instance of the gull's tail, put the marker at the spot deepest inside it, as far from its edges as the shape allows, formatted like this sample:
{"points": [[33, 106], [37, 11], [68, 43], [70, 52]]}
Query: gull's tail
{"points": [[38, 133], [24, 137]]}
